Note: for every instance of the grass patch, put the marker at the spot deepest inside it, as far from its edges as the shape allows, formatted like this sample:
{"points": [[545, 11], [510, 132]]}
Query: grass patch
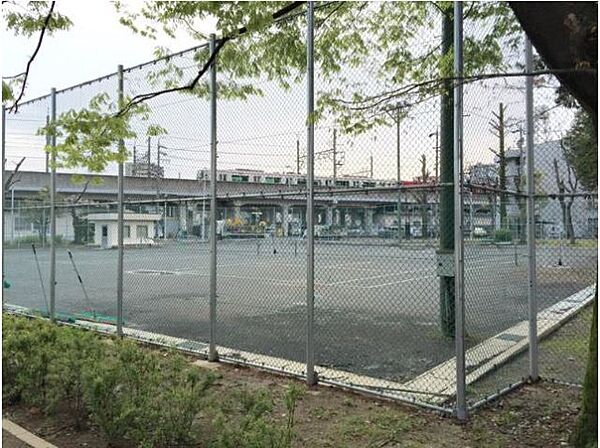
{"points": [[382, 426]]}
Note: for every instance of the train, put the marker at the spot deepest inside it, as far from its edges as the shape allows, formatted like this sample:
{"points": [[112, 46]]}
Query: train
{"points": [[261, 177]]}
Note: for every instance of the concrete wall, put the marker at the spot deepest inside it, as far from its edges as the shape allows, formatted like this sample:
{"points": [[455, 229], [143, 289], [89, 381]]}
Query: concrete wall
{"points": [[133, 236]]}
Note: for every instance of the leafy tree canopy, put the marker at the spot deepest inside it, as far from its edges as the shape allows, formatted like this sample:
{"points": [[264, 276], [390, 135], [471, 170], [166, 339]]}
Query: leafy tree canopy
{"points": [[581, 149], [369, 49], [397, 41]]}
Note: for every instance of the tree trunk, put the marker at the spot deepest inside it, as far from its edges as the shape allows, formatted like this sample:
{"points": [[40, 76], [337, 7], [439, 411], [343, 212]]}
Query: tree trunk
{"points": [[586, 431], [563, 209], [569, 222], [522, 221], [424, 220], [447, 178]]}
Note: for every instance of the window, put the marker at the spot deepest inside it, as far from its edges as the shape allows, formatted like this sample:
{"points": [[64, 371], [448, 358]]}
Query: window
{"points": [[126, 231], [141, 231]]}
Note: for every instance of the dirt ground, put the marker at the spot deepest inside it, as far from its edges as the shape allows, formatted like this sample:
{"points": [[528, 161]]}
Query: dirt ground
{"points": [[540, 415]]}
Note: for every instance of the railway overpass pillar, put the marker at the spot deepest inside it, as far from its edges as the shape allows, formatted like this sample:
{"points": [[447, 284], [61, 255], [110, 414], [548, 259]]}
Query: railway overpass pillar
{"points": [[183, 216], [329, 216], [286, 218], [369, 220]]}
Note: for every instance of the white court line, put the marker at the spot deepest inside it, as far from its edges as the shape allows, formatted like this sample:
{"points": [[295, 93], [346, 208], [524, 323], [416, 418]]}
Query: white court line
{"points": [[358, 279], [398, 282], [271, 281], [427, 276]]}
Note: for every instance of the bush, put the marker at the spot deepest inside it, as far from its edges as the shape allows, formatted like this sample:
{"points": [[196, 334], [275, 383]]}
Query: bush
{"points": [[177, 402], [29, 347], [76, 353], [502, 236], [115, 391], [136, 397], [27, 241], [252, 428]]}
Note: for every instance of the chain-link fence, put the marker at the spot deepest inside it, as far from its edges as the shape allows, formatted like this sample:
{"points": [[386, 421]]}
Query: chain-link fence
{"points": [[378, 246]]}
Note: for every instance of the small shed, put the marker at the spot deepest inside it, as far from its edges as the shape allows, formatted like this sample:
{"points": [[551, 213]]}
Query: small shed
{"points": [[138, 228]]}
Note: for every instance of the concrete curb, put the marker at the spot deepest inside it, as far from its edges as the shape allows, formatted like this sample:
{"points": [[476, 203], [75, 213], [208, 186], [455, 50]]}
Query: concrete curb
{"points": [[25, 436]]}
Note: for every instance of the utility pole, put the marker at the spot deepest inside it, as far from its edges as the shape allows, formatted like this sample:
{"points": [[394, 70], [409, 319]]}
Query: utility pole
{"points": [[334, 157], [371, 165], [297, 156], [498, 128], [437, 155], [399, 180], [446, 251], [47, 144], [158, 148], [148, 156]]}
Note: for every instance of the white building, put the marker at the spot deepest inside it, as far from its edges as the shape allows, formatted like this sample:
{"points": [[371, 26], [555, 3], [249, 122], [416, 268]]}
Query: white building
{"points": [[138, 228]]}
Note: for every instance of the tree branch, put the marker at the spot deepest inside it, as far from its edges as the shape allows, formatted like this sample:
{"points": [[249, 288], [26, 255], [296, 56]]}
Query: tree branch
{"points": [[433, 83], [80, 195], [11, 179], [14, 76], [15, 105], [220, 43]]}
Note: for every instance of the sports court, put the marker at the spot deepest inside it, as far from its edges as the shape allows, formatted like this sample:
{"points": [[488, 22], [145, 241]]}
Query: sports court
{"points": [[376, 303]]}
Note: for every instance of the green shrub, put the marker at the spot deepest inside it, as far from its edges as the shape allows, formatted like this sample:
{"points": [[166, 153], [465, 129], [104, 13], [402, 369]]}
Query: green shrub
{"points": [[27, 241], [77, 351], [29, 346], [142, 397], [175, 403], [502, 235], [136, 397], [116, 391], [252, 428]]}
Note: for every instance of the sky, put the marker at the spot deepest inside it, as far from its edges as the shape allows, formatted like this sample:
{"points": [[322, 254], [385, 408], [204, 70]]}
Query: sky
{"points": [[260, 133], [95, 45]]}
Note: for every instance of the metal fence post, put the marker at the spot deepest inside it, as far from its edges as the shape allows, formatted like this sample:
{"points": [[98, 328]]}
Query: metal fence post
{"points": [[311, 377], [399, 210], [531, 269], [459, 292], [52, 211], [212, 349], [120, 215], [4, 195]]}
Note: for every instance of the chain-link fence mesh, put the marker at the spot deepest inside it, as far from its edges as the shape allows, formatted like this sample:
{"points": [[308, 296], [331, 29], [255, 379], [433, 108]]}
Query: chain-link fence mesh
{"points": [[383, 212]]}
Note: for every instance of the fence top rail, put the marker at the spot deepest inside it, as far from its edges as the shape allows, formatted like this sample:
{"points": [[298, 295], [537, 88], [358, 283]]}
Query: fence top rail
{"points": [[111, 74]]}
